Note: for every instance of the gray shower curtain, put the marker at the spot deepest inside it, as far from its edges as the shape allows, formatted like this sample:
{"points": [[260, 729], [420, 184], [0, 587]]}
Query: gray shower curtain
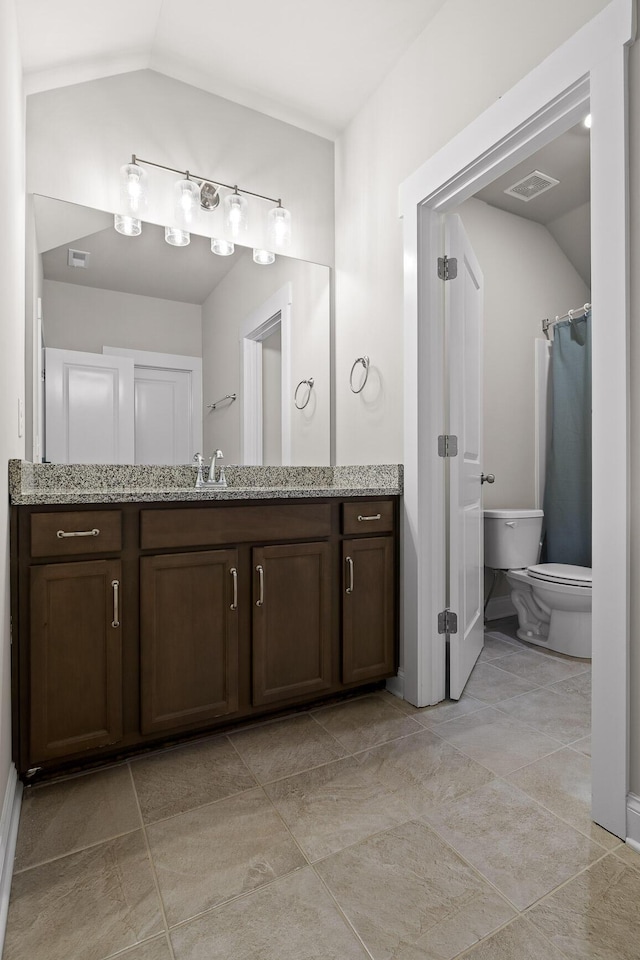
{"points": [[567, 494]]}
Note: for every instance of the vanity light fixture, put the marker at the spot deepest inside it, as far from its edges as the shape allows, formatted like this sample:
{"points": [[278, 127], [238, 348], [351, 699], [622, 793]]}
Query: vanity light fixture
{"points": [[190, 193], [224, 248], [587, 121], [263, 257]]}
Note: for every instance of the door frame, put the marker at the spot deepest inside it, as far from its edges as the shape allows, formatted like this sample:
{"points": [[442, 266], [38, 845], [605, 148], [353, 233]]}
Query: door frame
{"points": [[172, 361], [259, 325], [587, 72]]}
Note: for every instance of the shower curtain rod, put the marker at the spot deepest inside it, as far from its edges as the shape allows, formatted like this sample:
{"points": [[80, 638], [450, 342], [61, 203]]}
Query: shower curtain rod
{"points": [[570, 315]]}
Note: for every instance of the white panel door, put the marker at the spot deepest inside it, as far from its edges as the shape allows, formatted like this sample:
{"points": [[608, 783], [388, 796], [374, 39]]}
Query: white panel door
{"points": [[88, 407], [463, 316], [163, 414]]}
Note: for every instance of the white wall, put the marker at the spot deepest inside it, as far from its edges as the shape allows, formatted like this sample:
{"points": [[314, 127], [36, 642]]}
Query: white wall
{"points": [[573, 232], [88, 318], [467, 57], [79, 136], [12, 305], [241, 292], [634, 167], [527, 277]]}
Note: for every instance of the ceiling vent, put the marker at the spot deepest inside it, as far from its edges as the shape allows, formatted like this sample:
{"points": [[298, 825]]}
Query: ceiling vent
{"points": [[78, 258], [531, 186]]}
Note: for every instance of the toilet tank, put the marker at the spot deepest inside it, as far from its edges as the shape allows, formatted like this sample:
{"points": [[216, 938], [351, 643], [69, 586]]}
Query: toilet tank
{"points": [[511, 538]]}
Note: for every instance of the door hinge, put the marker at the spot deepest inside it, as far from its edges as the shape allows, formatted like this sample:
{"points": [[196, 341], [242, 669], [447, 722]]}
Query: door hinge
{"points": [[447, 622], [447, 445], [447, 268]]}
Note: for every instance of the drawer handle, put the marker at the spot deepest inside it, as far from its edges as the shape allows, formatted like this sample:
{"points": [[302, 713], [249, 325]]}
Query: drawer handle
{"points": [[260, 599], [62, 534], [350, 565], [376, 516], [234, 576], [115, 584]]}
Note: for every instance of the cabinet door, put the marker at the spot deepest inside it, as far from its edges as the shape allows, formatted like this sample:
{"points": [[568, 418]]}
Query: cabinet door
{"points": [[291, 621], [368, 610], [189, 638], [75, 658]]}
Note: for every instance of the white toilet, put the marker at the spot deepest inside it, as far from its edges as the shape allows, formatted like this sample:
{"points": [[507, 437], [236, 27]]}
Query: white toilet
{"points": [[553, 600]]}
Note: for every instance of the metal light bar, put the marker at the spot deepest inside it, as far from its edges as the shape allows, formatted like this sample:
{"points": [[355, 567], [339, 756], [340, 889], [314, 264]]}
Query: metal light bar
{"points": [[187, 174]]}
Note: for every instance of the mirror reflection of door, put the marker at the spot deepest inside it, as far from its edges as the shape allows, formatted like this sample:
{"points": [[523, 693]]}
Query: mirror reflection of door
{"points": [[272, 399]]}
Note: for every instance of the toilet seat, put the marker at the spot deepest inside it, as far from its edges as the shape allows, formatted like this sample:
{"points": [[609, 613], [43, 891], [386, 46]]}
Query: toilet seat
{"points": [[562, 573]]}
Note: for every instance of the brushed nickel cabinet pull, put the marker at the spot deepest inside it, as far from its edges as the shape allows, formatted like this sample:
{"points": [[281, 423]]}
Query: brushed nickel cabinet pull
{"points": [[234, 576], [115, 585], [62, 534], [376, 516], [260, 599], [350, 565]]}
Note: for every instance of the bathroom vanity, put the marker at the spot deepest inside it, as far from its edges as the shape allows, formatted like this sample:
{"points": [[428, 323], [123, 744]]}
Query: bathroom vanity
{"points": [[146, 612]]}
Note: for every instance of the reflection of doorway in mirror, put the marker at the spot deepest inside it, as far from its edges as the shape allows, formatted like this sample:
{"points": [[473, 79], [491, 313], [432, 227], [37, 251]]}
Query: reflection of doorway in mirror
{"points": [[272, 399]]}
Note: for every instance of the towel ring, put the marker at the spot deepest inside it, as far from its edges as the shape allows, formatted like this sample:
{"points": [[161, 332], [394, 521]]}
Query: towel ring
{"points": [[365, 363], [309, 383]]}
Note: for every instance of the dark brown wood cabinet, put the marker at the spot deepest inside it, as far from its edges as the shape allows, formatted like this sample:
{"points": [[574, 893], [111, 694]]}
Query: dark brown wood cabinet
{"points": [[368, 609], [176, 619], [291, 635], [76, 658], [188, 638]]}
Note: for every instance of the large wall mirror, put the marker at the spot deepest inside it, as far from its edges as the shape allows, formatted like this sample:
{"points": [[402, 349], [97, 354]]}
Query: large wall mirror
{"points": [[144, 352]]}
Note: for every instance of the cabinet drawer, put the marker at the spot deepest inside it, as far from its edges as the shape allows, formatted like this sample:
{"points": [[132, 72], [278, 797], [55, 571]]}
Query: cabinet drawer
{"points": [[210, 526], [367, 517], [82, 532]]}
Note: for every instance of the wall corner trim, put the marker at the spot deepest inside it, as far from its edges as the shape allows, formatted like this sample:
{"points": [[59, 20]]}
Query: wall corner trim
{"points": [[633, 821], [395, 685], [9, 820]]}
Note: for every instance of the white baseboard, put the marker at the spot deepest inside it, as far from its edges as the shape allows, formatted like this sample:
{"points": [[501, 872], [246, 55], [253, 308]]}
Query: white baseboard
{"points": [[9, 821], [395, 685], [633, 821], [499, 607]]}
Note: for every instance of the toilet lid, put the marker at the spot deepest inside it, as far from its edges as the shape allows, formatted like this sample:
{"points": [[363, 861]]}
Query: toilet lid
{"points": [[562, 573]]}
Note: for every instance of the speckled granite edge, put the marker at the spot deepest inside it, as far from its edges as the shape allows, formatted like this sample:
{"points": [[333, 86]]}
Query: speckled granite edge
{"points": [[45, 483]]}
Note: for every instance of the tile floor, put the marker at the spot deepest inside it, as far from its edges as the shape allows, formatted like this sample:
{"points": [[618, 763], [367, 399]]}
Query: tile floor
{"points": [[368, 829]]}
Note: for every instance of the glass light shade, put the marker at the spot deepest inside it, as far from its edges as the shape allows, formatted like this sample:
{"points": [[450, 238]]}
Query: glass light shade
{"points": [[279, 229], [186, 195], [177, 237], [235, 214], [263, 257], [128, 226], [133, 189], [224, 248], [587, 121]]}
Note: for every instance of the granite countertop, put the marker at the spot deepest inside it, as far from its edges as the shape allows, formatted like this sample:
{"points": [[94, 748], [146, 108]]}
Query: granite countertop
{"points": [[49, 483]]}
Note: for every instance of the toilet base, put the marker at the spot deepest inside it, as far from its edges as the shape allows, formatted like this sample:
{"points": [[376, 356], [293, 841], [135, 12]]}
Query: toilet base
{"points": [[542, 619], [568, 633]]}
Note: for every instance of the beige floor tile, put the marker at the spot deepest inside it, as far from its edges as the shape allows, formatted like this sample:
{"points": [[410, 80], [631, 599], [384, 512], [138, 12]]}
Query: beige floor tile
{"points": [[85, 906], [291, 919], [445, 710], [516, 844], [596, 916], [59, 818], [628, 856], [565, 716], [215, 852], [177, 780], [360, 724], [497, 741], [579, 686], [517, 941], [495, 647], [582, 746], [539, 668], [409, 896], [156, 949], [491, 685], [562, 784], [333, 806], [286, 747], [423, 771]]}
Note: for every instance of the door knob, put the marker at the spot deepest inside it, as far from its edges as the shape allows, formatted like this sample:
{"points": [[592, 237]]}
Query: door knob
{"points": [[487, 478]]}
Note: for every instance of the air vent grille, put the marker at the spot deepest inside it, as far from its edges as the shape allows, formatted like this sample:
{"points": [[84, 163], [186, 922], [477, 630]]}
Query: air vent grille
{"points": [[531, 186], [78, 258]]}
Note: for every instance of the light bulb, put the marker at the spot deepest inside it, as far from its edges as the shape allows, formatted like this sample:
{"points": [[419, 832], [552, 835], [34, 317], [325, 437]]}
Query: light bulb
{"points": [[177, 237], [126, 225], [224, 248], [279, 227], [263, 257], [133, 189], [235, 214], [186, 201]]}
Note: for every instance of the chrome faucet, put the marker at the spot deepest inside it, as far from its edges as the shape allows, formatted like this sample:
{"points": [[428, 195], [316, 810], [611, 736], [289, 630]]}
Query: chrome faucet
{"points": [[211, 480]]}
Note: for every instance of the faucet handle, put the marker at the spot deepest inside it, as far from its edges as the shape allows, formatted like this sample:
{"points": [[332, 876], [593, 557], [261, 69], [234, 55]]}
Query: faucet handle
{"points": [[198, 458]]}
